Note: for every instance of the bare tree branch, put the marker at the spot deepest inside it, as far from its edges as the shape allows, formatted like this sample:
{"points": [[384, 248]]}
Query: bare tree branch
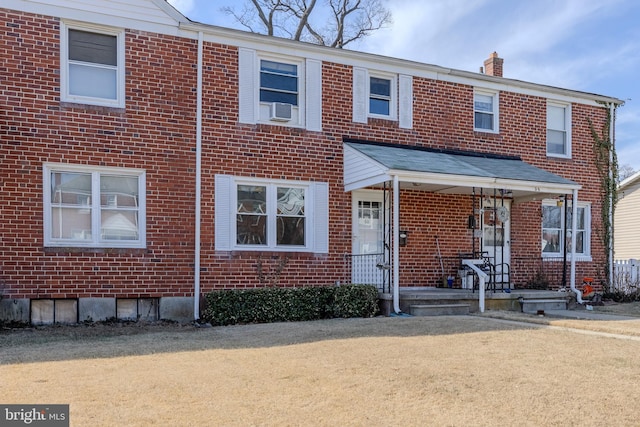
{"points": [[349, 20]]}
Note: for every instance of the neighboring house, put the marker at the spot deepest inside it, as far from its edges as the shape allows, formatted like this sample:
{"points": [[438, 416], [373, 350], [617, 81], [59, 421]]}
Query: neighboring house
{"points": [[626, 235], [148, 160]]}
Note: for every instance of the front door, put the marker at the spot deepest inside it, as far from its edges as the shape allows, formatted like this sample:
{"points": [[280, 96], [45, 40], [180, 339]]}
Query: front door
{"points": [[496, 217], [369, 256]]}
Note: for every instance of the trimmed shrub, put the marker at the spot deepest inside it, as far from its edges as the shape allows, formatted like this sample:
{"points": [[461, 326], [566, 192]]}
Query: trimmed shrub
{"points": [[266, 305]]}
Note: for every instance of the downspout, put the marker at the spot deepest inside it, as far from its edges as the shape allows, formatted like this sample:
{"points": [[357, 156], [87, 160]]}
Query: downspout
{"points": [[612, 121], [574, 228], [196, 263], [396, 244]]}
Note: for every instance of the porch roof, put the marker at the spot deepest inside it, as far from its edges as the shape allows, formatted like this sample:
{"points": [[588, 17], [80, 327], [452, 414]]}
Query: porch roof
{"points": [[370, 164]]}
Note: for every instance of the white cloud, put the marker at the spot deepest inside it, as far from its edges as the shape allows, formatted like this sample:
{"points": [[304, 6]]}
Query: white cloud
{"points": [[186, 7]]}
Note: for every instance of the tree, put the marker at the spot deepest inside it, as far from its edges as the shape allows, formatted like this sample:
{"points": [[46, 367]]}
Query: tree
{"points": [[625, 171], [345, 21]]}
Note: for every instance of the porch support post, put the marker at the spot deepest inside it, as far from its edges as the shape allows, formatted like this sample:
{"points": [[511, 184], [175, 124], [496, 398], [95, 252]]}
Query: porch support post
{"points": [[396, 244], [574, 228]]}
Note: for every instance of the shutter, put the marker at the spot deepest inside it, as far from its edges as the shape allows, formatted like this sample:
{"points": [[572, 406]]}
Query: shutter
{"points": [[359, 95], [223, 212], [247, 101], [321, 217], [406, 101], [314, 95]]}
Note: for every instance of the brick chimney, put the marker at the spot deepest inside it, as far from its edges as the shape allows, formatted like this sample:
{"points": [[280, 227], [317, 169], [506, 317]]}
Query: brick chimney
{"points": [[493, 65]]}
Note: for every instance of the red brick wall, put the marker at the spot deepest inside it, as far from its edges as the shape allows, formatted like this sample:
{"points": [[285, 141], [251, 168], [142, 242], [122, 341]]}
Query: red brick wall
{"points": [[156, 132]]}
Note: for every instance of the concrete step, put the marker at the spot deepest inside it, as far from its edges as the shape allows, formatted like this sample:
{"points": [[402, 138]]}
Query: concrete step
{"points": [[537, 305], [439, 309]]}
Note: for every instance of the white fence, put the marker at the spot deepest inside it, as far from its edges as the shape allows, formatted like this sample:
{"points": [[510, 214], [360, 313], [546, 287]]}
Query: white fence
{"points": [[626, 276]]}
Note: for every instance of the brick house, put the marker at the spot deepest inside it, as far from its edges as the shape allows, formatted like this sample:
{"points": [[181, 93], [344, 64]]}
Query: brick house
{"points": [[148, 159]]}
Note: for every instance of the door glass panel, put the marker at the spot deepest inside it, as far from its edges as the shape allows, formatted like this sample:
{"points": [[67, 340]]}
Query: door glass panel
{"points": [[370, 227]]}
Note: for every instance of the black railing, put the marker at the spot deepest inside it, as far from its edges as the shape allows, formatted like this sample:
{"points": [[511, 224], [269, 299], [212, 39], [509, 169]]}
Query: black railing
{"points": [[523, 272]]}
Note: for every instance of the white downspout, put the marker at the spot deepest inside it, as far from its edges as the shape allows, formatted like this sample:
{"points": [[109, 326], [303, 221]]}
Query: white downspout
{"points": [[612, 112], [396, 244], [196, 263], [574, 227]]}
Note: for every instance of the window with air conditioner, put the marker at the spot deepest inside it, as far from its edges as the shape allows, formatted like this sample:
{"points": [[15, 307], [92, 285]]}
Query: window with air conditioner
{"points": [[279, 90]]}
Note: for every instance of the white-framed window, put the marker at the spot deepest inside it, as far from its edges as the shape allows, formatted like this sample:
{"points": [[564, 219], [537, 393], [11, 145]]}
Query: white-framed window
{"points": [[92, 64], [382, 96], [485, 111], [261, 214], [90, 206], [558, 129], [279, 90], [279, 82], [555, 219]]}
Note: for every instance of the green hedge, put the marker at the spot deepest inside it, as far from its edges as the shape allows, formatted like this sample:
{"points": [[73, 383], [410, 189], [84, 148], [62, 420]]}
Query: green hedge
{"points": [[265, 305]]}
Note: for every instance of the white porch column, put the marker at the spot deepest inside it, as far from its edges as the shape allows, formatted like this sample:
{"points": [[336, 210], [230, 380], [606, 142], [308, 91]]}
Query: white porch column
{"points": [[574, 228], [396, 244]]}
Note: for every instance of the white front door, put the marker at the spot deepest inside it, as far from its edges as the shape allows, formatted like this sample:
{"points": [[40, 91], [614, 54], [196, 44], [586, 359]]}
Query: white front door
{"points": [[496, 220], [368, 251]]}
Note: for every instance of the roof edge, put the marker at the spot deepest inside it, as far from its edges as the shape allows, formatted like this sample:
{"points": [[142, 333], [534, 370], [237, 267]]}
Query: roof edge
{"points": [[349, 140]]}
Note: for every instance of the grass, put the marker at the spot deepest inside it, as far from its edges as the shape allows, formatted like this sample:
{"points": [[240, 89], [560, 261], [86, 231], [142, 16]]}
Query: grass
{"points": [[458, 370]]}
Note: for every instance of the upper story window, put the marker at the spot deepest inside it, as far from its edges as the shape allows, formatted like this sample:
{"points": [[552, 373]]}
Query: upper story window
{"points": [[380, 100], [558, 129], [255, 214], [485, 111], [279, 90], [89, 206], [92, 61], [557, 224], [278, 82], [382, 95]]}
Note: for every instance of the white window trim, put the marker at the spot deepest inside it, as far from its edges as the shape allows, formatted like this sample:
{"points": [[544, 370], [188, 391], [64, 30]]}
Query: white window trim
{"points": [[119, 102], [301, 107], [393, 101], [496, 110], [568, 123], [95, 171], [586, 256], [316, 215]]}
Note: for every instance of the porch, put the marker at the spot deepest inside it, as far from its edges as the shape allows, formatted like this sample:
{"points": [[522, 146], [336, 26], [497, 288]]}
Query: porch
{"points": [[444, 301], [466, 195], [541, 283]]}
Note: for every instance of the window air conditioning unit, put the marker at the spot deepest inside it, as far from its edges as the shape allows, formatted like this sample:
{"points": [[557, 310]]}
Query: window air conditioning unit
{"points": [[280, 111]]}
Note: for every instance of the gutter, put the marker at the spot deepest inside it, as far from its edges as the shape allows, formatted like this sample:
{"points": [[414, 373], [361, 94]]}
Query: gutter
{"points": [[612, 118], [196, 263]]}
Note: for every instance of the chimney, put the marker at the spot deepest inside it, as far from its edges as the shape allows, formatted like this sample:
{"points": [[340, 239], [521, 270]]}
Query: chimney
{"points": [[493, 65]]}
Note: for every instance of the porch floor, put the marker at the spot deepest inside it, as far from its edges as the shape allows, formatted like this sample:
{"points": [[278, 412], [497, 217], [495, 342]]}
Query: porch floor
{"points": [[498, 300]]}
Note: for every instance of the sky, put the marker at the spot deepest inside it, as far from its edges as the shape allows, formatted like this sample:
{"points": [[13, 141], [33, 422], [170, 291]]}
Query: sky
{"points": [[586, 45]]}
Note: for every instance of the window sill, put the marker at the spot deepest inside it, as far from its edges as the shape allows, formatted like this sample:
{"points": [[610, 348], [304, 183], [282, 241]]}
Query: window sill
{"points": [[559, 258], [485, 131], [94, 108], [92, 250], [559, 156]]}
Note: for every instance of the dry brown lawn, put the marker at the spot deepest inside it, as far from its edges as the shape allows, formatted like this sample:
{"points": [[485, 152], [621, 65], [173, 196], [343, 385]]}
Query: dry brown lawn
{"points": [[442, 371]]}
